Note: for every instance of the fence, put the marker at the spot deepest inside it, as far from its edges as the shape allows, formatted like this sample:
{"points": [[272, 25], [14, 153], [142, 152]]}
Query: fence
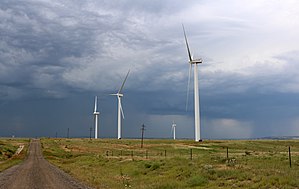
{"points": [[227, 155]]}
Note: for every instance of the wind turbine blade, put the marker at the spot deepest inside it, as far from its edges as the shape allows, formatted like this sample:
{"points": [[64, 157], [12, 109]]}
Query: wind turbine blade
{"points": [[95, 103], [122, 112], [188, 87], [189, 53], [122, 86]]}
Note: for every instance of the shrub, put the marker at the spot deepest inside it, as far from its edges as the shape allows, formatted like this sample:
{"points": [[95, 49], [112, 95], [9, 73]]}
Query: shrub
{"points": [[197, 181], [147, 165], [167, 186], [155, 166]]}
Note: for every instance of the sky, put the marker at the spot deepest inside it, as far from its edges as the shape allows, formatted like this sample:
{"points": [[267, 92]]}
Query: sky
{"points": [[57, 55]]}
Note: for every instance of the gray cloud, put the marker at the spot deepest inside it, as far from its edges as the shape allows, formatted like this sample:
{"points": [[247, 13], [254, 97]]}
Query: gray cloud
{"points": [[59, 54]]}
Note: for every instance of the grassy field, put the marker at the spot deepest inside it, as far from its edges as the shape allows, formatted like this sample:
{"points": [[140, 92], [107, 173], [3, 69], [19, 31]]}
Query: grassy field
{"points": [[8, 148], [109, 163]]}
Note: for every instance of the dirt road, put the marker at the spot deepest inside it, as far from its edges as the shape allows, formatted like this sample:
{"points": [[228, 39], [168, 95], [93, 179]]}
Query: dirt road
{"points": [[37, 173]]}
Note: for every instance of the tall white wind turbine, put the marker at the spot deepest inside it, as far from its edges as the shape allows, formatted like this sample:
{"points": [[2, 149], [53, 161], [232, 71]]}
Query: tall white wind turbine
{"points": [[120, 109], [173, 129], [196, 92], [96, 118]]}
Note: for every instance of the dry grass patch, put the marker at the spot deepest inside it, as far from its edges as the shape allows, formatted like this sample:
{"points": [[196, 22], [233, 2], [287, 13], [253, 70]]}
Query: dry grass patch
{"points": [[9, 154]]}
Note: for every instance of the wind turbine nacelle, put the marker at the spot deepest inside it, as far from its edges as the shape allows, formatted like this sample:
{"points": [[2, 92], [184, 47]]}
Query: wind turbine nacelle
{"points": [[121, 95], [96, 113], [196, 61]]}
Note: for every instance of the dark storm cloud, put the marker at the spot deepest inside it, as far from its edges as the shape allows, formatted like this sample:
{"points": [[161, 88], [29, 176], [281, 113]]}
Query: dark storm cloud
{"points": [[52, 44], [33, 46], [56, 55]]}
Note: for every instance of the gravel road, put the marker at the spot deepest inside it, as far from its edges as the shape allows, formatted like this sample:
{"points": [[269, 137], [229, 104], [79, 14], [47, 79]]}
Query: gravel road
{"points": [[37, 173]]}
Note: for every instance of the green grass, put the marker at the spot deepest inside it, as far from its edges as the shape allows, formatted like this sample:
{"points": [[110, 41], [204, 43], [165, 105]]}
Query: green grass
{"points": [[8, 148], [109, 163]]}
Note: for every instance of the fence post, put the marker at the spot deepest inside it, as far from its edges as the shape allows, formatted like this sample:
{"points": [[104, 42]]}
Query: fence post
{"points": [[290, 157], [227, 153], [146, 155], [191, 153], [132, 154], [165, 153]]}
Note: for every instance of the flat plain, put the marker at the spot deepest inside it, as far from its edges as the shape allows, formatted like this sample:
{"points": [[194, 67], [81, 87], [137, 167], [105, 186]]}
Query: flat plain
{"points": [[111, 163]]}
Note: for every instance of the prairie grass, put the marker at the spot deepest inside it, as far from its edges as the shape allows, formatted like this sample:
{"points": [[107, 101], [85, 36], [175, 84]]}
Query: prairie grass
{"points": [[109, 163], [8, 148]]}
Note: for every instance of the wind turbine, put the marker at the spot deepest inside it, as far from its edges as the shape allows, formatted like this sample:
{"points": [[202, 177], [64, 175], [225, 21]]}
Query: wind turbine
{"points": [[173, 129], [196, 93], [120, 109], [96, 118]]}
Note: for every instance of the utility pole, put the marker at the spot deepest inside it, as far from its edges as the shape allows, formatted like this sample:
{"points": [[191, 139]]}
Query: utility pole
{"points": [[90, 130], [142, 133], [56, 135], [68, 132]]}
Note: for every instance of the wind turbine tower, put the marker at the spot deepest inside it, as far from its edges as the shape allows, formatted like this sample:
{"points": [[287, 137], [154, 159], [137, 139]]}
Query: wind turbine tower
{"points": [[173, 129], [196, 92], [96, 118], [120, 111]]}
